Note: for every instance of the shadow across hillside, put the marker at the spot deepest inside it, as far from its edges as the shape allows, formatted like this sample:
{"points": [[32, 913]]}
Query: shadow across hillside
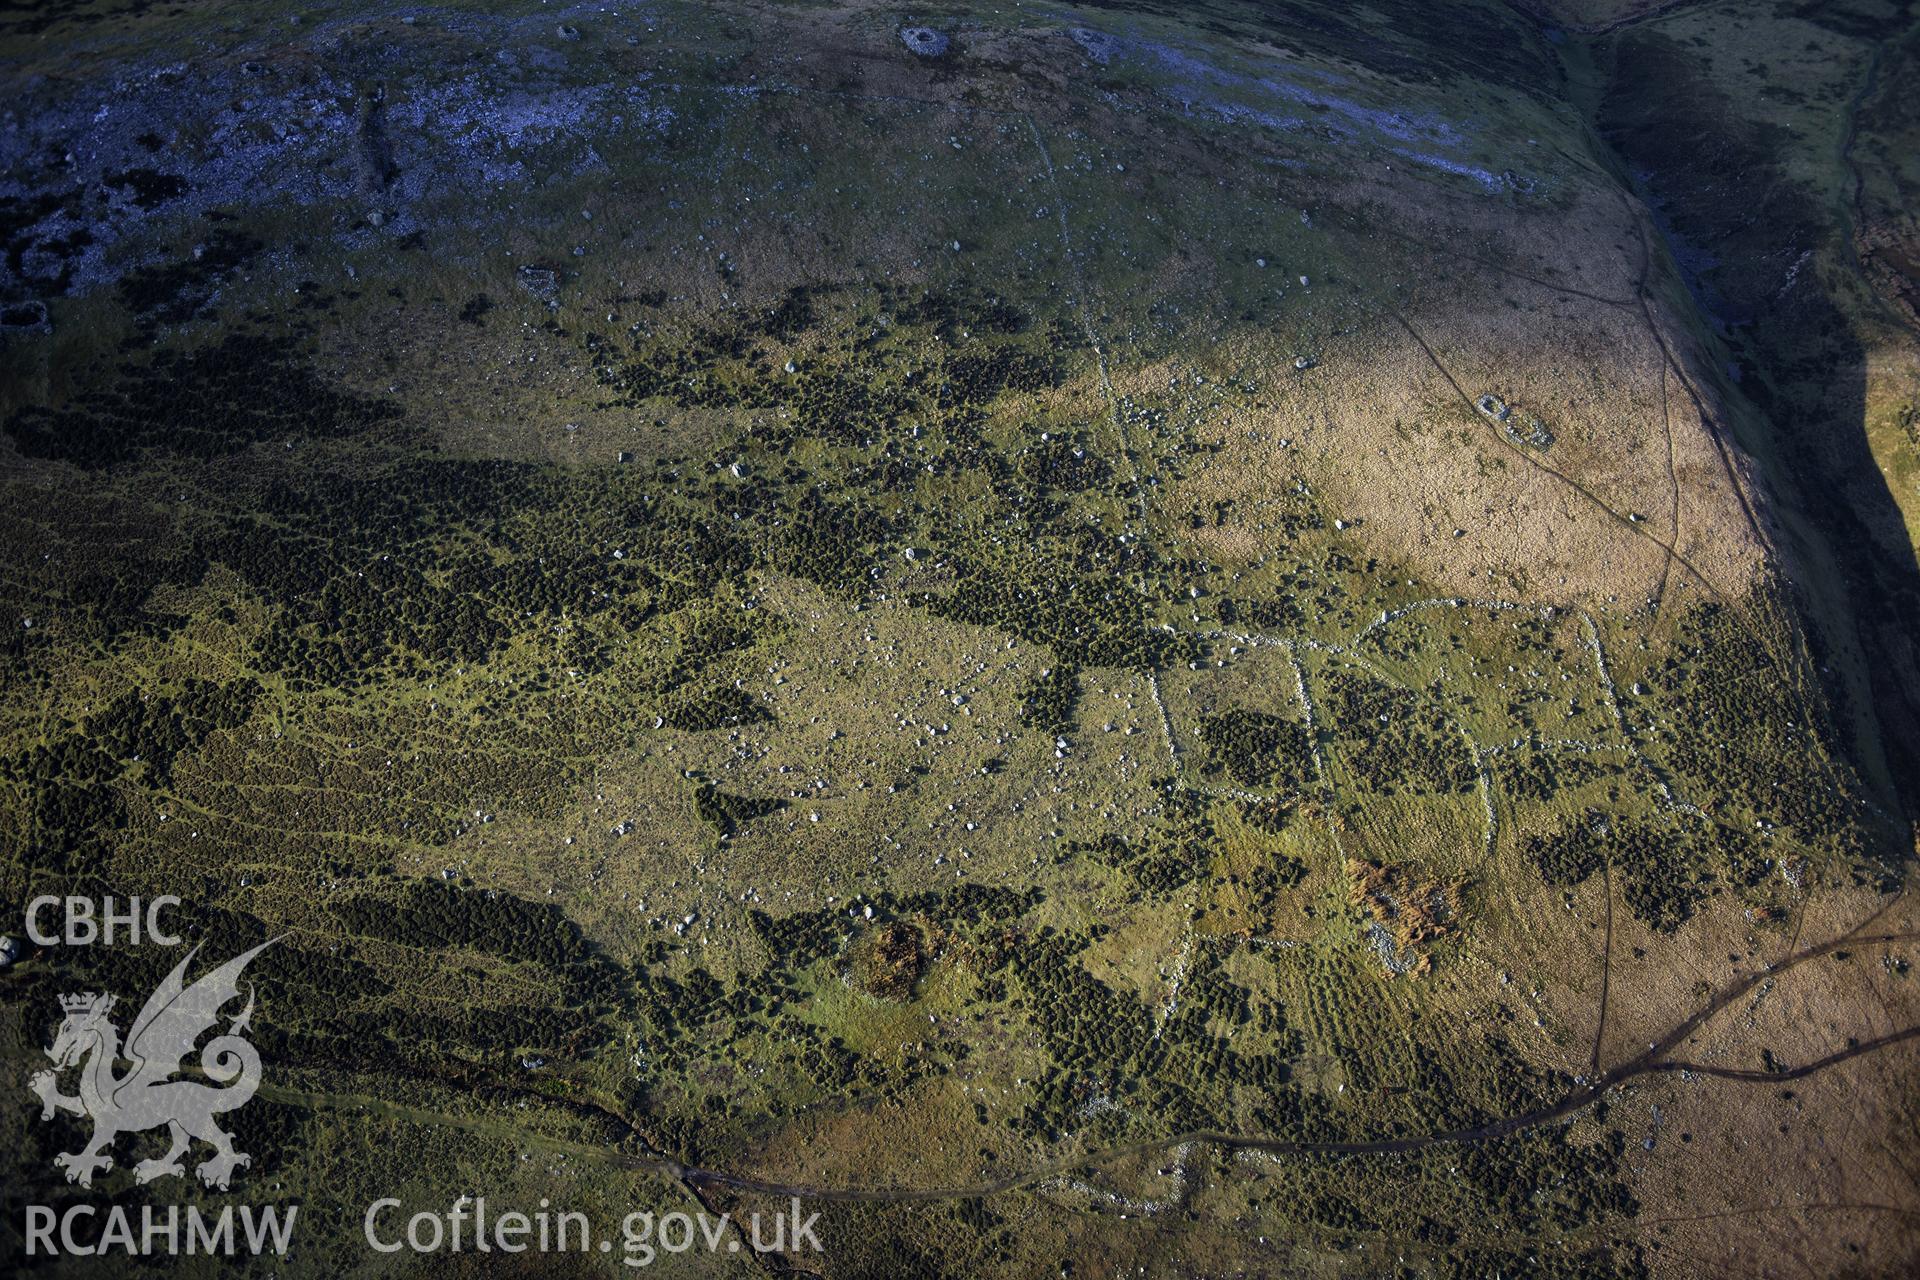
{"points": [[1748, 239]]}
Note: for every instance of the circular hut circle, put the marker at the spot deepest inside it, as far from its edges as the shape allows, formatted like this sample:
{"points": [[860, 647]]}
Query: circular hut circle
{"points": [[924, 41], [1098, 45]]}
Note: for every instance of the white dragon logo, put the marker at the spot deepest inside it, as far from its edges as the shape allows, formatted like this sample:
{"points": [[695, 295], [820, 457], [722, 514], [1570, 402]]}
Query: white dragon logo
{"points": [[145, 1096]]}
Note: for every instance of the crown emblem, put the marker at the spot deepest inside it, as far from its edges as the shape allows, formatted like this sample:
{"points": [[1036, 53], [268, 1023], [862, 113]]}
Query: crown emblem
{"points": [[175, 1018]]}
